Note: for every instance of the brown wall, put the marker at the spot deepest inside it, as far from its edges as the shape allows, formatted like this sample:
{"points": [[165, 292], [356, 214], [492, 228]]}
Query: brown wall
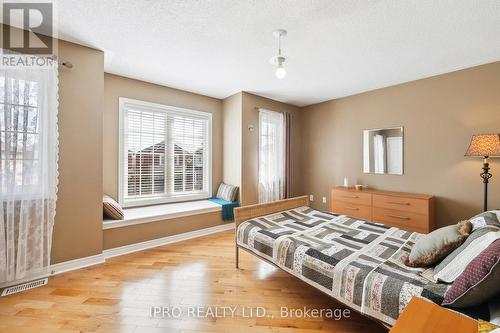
{"points": [[119, 86], [250, 143], [439, 115], [78, 223], [231, 137]]}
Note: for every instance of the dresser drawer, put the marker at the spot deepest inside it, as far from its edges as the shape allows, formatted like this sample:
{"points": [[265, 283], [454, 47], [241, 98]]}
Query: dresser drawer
{"points": [[352, 209], [401, 203], [401, 219], [352, 197]]}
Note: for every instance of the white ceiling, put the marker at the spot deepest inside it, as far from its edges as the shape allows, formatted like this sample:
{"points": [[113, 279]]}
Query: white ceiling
{"points": [[335, 48]]}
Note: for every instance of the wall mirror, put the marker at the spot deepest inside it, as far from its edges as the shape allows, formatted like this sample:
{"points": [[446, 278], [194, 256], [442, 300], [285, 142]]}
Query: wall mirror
{"points": [[383, 151]]}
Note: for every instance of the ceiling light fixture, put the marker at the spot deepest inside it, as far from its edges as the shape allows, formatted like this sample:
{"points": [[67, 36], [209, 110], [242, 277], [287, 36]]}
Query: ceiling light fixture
{"points": [[279, 60]]}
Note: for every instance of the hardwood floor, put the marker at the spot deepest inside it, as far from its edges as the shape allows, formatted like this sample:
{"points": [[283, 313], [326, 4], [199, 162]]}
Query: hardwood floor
{"points": [[118, 296]]}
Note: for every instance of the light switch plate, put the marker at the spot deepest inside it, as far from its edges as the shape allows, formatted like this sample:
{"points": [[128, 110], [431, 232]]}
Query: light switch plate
{"points": [[311, 197], [324, 199]]}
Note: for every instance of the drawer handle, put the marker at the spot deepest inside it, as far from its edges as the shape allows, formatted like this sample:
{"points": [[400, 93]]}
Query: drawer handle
{"points": [[351, 208], [350, 196], [398, 203], [399, 217]]}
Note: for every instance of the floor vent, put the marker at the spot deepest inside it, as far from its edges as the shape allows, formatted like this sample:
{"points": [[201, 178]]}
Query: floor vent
{"points": [[24, 286]]}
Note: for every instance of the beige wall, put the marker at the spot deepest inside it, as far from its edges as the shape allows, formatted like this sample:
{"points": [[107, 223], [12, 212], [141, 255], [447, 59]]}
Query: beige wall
{"points": [[250, 143], [119, 86], [78, 223], [439, 115], [231, 125]]}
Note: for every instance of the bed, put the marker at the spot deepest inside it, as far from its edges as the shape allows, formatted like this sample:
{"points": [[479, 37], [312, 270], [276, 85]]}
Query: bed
{"points": [[358, 263]]}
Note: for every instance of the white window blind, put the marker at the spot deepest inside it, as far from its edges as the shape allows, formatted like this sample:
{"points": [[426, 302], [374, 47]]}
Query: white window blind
{"points": [[165, 153]]}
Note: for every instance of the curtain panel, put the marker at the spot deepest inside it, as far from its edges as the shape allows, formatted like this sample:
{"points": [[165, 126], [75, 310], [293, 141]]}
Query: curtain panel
{"points": [[271, 185], [379, 153], [28, 169], [288, 191]]}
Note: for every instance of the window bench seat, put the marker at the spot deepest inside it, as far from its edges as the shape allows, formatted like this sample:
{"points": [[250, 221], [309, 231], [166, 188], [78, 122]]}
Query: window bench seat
{"points": [[162, 212]]}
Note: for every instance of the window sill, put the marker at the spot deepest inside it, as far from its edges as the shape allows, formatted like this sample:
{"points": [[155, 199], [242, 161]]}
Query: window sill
{"points": [[155, 213]]}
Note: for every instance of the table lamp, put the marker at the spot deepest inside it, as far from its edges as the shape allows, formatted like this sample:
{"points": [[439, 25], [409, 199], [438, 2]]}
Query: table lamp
{"points": [[486, 146]]}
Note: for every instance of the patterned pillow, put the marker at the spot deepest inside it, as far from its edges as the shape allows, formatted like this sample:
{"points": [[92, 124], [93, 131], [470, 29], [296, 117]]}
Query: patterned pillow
{"points": [[486, 327], [489, 218], [478, 282], [227, 192], [111, 208]]}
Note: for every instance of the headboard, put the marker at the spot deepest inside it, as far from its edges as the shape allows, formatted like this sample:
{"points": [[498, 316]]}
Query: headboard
{"points": [[244, 213]]}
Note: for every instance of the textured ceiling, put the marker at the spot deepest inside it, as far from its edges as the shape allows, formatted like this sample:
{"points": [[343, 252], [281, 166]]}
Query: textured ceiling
{"points": [[335, 48]]}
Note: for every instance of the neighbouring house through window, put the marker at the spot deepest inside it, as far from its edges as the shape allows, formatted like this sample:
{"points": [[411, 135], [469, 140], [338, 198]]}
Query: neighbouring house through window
{"points": [[165, 153]]}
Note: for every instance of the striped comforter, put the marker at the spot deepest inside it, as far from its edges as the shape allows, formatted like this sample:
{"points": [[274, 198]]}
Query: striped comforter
{"points": [[357, 262]]}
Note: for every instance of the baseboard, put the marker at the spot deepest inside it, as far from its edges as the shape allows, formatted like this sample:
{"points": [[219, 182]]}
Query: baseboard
{"points": [[118, 251], [72, 265], [58, 268]]}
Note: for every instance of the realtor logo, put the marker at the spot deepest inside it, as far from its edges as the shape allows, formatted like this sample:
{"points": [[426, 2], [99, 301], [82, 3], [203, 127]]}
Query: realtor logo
{"points": [[35, 21]]}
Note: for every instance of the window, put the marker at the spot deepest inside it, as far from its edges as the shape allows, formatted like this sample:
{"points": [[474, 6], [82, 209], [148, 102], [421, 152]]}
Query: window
{"points": [[19, 129], [28, 124], [165, 153], [271, 156]]}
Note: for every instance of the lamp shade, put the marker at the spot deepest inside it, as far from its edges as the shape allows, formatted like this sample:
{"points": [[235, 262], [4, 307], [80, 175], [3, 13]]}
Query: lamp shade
{"points": [[484, 145]]}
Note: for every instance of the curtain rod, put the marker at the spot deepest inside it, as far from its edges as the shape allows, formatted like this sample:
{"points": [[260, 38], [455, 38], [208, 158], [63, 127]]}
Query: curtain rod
{"points": [[54, 57], [259, 107], [61, 62]]}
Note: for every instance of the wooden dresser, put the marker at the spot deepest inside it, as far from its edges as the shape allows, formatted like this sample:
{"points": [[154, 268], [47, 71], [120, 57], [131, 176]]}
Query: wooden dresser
{"points": [[413, 212]]}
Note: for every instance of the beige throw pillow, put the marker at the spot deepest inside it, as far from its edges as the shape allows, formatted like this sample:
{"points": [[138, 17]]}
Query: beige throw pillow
{"points": [[436, 245], [111, 208]]}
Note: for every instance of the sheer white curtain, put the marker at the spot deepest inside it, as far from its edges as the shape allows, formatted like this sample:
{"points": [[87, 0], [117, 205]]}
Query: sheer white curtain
{"points": [[271, 156], [28, 169], [379, 153]]}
